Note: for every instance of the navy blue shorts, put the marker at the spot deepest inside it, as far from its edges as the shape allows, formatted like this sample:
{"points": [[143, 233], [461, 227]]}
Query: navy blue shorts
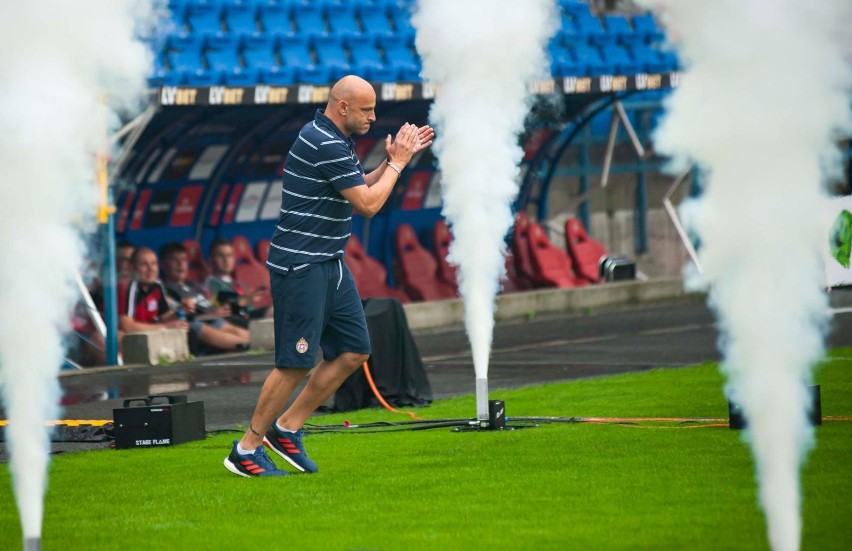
{"points": [[317, 307]]}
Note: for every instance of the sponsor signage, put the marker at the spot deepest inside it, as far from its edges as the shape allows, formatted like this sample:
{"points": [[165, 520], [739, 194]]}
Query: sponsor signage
{"points": [[175, 96], [187, 202]]}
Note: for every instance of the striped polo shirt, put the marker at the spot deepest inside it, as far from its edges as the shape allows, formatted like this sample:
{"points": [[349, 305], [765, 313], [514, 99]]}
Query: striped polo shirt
{"points": [[315, 220]]}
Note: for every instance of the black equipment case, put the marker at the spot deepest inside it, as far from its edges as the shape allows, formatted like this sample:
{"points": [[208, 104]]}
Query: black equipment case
{"points": [[162, 420]]}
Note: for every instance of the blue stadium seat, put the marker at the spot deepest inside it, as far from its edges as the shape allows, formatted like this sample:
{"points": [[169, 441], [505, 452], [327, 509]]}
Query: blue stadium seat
{"points": [[223, 57], [342, 21], [590, 59], [568, 34], [367, 60], [562, 63], [241, 19], [402, 22], [309, 20], [283, 76], [332, 55], [619, 29], [648, 59], [204, 18], [374, 20], [177, 8], [315, 74], [191, 65], [187, 61], [574, 7], [186, 42], [259, 53], [589, 26], [275, 20], [401, 57], [161, 76], [646, 26], [622, 60], [669, 59], [295, 52]]}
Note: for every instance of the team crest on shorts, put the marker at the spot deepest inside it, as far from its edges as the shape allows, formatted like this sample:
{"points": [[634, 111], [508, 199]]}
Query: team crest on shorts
{"points": [[302, 346]]}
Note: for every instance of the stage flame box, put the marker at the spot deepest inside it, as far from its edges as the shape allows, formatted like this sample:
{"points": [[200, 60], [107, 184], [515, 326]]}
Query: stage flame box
{"points": [[162, 420]]}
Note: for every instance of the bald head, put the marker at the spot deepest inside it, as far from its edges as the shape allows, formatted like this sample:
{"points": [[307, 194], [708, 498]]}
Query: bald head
{"points": [[352, 105], [350, 87]]}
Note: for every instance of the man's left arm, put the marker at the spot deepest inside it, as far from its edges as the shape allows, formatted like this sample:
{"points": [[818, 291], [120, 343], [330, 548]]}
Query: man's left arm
{"points": [[425, 137]]}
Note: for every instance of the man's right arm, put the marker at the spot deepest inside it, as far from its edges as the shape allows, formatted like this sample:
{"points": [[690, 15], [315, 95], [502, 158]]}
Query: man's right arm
{"points": [[367, 200]]}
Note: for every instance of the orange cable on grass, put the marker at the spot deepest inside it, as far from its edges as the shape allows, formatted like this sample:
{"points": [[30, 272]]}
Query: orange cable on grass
{"points": [[381, 400]]}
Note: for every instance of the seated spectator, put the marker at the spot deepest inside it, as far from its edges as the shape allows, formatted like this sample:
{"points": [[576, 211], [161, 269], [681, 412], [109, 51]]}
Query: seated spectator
{"points": [[143, 306], [224, 289], [195, 301], [123, 265]]}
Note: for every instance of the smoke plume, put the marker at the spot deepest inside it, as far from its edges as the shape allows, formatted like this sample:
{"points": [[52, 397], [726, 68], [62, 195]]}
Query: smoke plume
{"points": [[762, 101], [62, 65], [481, 54]]}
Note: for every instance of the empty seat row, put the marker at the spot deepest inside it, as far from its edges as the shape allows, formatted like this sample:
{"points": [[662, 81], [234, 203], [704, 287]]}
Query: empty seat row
{"points": [[304, 19], [538, 262], [247, 61], [282, 42], [611, 59], [609, 29]]}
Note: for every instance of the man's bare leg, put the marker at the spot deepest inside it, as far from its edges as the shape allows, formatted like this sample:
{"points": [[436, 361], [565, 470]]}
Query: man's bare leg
{"points": [[276, 390], [325, 380]]}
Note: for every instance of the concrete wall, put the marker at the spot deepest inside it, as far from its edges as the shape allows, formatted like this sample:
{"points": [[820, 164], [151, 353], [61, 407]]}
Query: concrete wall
{"points": [[155, 347], [447, 313]]}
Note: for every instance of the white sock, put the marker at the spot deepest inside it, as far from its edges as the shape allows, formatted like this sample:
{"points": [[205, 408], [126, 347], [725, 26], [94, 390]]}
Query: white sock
{"points": [[282, 428], [242, 451]]}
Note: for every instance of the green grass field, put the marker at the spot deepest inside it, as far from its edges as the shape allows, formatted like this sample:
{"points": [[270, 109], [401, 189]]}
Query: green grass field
{"points": [[566, 486]]}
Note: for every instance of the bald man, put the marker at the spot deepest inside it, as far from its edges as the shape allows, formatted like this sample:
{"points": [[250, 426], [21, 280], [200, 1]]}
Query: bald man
{"points": [[315, 301]]}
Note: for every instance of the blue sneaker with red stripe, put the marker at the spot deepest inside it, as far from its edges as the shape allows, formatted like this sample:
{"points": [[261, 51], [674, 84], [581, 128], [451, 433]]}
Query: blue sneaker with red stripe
{"points": [[289, 446], [252, 464]]}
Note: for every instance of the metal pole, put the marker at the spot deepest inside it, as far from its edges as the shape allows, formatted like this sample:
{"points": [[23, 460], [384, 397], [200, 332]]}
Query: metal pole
{"points": [[610, 148], [109, 283], [134, 129], [631, 132], [584, 208], [641, 213], [684, 237], [92, 310]]}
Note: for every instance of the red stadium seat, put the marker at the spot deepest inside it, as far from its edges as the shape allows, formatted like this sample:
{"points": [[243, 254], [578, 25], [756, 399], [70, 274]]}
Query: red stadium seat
{"points": [[526, 272], [418, 268], [553, 266], [198, 268], [441, 239], [584, 251], [262, 247], [369, 274], [511, 281], [249, 273]]}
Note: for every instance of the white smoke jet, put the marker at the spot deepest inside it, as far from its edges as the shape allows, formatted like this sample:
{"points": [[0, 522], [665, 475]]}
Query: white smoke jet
{"points": [[765, 93], [482, 54], [58, 61]]}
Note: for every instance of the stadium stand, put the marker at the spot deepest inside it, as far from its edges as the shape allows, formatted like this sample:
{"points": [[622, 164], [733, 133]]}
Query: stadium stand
{"points": [[312, 42]]}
